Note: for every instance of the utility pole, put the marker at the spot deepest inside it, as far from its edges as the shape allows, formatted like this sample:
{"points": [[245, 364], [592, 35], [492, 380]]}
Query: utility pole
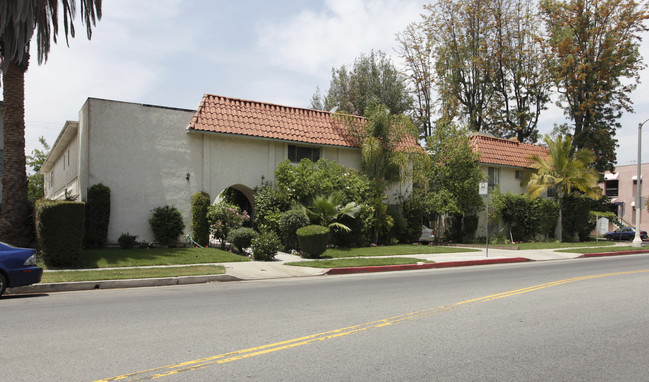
{"points": [[637, 241]]}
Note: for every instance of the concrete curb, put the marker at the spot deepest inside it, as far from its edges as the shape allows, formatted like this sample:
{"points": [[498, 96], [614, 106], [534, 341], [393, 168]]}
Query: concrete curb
{"points": [[602, 254], [116, 284], [409, 267]]}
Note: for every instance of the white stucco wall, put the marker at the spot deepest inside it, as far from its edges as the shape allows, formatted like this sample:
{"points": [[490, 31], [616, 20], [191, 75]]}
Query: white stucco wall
{"points": [[507, 182], [61, 169], [143, 155], [230, 160]]}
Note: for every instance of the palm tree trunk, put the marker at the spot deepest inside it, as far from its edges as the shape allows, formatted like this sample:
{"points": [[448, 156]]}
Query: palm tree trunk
{"points": [[560, 223], [15, 215]]}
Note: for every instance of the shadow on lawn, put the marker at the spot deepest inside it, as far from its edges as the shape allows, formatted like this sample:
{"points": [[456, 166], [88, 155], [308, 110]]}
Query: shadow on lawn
{"points": [[110, 257]]}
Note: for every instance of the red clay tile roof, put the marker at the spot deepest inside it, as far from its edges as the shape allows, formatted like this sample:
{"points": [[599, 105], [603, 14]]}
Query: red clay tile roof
{"points": [[264, 120], [505, 152]]}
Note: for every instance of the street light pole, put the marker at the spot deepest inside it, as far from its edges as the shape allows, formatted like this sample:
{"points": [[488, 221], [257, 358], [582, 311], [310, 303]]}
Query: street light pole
{"points": [[637, 241]]}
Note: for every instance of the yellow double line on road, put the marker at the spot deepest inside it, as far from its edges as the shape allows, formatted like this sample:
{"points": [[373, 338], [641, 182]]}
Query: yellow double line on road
{"points": [[183, 367]]}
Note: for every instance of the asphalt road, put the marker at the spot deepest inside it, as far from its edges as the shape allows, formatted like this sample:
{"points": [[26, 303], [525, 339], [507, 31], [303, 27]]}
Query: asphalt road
{"points": [[571, 320]]}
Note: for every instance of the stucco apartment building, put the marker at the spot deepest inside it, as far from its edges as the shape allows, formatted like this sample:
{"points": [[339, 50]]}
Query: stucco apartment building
{"points": [[507, 165], [621, 187], [151, 156]]}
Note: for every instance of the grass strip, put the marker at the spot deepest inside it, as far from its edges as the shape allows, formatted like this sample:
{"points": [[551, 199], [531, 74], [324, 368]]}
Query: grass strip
{"points": [[116, 257], [391, 250], [369, 262], [565, 245], [139, 273], [584, 251]]}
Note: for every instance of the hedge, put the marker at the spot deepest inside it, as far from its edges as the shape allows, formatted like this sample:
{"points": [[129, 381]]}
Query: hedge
{"points": [[200, 225], [97, 216], [60, 227], [313, 240]]}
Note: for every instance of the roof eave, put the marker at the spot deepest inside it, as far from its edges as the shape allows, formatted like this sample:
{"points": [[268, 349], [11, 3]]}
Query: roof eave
{"points": [[190, 130]]}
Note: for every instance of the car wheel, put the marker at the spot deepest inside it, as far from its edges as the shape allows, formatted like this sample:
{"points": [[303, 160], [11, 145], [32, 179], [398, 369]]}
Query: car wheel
{"points": [[3, 284]]}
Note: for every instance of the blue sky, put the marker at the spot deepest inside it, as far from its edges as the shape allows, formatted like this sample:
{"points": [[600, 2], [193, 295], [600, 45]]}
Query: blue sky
{"points": [[171, 52]]}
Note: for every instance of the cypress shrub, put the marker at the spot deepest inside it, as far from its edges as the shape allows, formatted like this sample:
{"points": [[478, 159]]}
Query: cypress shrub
{"points": [[60, 227], [200, 225], [313, 240], [289, 222], [166, 224], [97, 216]]}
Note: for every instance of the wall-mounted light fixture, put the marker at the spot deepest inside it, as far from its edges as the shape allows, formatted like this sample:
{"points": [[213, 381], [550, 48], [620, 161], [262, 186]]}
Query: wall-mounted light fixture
{"points": [[187, 177]]}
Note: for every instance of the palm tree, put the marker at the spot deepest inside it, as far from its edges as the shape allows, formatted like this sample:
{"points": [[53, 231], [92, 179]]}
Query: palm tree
{"points": [[564, 169], [19, 20], [325, 211]]}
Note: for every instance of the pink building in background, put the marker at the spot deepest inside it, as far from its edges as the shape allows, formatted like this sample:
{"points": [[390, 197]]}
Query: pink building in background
{"points": [[620, 186]]}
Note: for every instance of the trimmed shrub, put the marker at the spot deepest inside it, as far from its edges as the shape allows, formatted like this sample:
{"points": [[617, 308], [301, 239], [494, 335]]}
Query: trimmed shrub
{"points": [[97, 216], [241, 238], [60, 226], [166, 224], [127, 241], [200, 225], [289, 222], [265, 246], [313, 240]]}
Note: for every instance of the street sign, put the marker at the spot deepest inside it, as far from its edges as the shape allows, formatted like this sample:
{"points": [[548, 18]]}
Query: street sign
{"points": [[484, 188]]}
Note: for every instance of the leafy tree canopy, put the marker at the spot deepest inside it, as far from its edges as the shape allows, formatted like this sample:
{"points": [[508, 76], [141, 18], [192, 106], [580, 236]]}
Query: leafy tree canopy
{"points": [[592, 52], [373, 80]]}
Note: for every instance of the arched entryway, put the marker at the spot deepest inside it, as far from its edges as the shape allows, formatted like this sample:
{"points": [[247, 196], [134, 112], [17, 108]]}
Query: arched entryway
{"points": [[241, 196]]}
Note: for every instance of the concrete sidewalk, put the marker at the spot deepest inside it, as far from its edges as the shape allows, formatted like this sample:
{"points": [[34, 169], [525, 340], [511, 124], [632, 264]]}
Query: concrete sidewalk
{"points": [[258, 270]]}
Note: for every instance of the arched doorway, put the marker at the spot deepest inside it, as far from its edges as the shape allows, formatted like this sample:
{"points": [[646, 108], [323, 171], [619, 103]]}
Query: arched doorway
{"points": [[241, 196]]}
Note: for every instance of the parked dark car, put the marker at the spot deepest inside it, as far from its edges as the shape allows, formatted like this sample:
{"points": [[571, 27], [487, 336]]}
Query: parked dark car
{"points": [[624, 233], [18, 267]]}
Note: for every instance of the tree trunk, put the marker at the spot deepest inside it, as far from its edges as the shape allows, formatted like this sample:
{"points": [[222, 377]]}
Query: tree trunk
{"points": [[16, 226]]}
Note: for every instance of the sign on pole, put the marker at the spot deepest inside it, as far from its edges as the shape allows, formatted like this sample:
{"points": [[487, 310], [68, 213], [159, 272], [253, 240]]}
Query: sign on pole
{"points": [[602, 225], [484, 188]]}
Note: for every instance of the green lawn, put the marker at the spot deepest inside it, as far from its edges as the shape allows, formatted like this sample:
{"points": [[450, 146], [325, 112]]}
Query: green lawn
{"points": [[392, 250], [140, 273], [115, 257], [600, 250], [359, 262]]}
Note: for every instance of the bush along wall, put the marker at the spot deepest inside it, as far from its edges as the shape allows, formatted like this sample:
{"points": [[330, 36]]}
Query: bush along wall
{"points": [[166, 224], [60, 230], [200, 225], [97, 216]]}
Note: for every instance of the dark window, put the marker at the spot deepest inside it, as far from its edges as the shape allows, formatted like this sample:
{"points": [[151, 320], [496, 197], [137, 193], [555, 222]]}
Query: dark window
{"points": [[494, 177], [297, 153], [612, 187]]}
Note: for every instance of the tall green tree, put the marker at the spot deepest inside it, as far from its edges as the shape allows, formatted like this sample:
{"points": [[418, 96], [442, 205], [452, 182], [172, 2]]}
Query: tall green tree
{"points": [[451, 174], [564, 170], [521, 81], [483, 58], [373, 80], [384, 138], [19, 21], [416, 50], [593, 54], [35, 184]]}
